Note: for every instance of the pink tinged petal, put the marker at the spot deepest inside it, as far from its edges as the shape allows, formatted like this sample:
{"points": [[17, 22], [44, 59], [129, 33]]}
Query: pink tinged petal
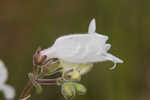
{"points": [[9, 91], [92, 26]]}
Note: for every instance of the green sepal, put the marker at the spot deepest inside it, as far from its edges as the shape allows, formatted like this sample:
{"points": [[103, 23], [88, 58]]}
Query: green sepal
{"points": [[80, 89], [68, 90]]}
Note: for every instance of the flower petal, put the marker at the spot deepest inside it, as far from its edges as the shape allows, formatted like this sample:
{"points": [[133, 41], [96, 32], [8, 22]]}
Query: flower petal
{"points": [[3, 72], [8, 91], [107, 47], [114, 59], [92, 26]]}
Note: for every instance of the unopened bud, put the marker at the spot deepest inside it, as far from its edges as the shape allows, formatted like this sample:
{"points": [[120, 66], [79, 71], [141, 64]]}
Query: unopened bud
{"points": [[37, 58], [80, 89], [72, 75], [52, 66], [81, 68], [84, 68], [68, 90]]}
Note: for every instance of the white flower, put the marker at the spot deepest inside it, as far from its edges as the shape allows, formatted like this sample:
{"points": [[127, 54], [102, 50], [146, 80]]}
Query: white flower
{"points": [[8, 90], [82, 48]]}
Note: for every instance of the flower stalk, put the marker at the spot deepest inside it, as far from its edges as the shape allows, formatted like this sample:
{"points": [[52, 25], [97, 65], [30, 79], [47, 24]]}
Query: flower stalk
{"points": [[26, 90], [36, 76], [47, 81]]}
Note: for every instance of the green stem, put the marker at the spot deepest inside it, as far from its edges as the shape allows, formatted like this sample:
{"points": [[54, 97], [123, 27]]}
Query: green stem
{"points": [[35, 72]]}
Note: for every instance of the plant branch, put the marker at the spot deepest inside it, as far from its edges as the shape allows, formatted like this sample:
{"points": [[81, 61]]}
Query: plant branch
{"points": [[48, 81], [30, 84], [26, 90]]}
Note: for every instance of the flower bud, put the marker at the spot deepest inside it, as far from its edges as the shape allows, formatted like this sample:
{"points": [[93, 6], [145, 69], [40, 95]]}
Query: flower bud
{"points": [[68, 90], [84, 68], [81, 68], [80, 89], [39, 59], [51, 67], [72, 75]]}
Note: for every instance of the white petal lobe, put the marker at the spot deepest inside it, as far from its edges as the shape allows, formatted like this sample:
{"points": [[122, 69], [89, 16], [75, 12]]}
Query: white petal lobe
{"points": [[3, 73], [92, 26], [107, 47], [114, 59], [8, 91]]}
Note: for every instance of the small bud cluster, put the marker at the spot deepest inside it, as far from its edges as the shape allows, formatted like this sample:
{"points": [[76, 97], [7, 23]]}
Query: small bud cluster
{"points": [[70, 85], [70, 89]]}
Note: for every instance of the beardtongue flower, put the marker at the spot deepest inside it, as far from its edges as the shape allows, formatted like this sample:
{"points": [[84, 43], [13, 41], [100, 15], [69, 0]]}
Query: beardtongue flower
{"points": [[80, 48], [8, 90]]}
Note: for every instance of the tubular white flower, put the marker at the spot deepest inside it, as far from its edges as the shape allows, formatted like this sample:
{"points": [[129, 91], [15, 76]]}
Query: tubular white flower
{"points": [[82, 48], [8, 90]]}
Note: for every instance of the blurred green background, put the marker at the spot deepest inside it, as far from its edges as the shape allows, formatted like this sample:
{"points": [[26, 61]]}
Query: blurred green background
{"points": [[27, 24]]}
